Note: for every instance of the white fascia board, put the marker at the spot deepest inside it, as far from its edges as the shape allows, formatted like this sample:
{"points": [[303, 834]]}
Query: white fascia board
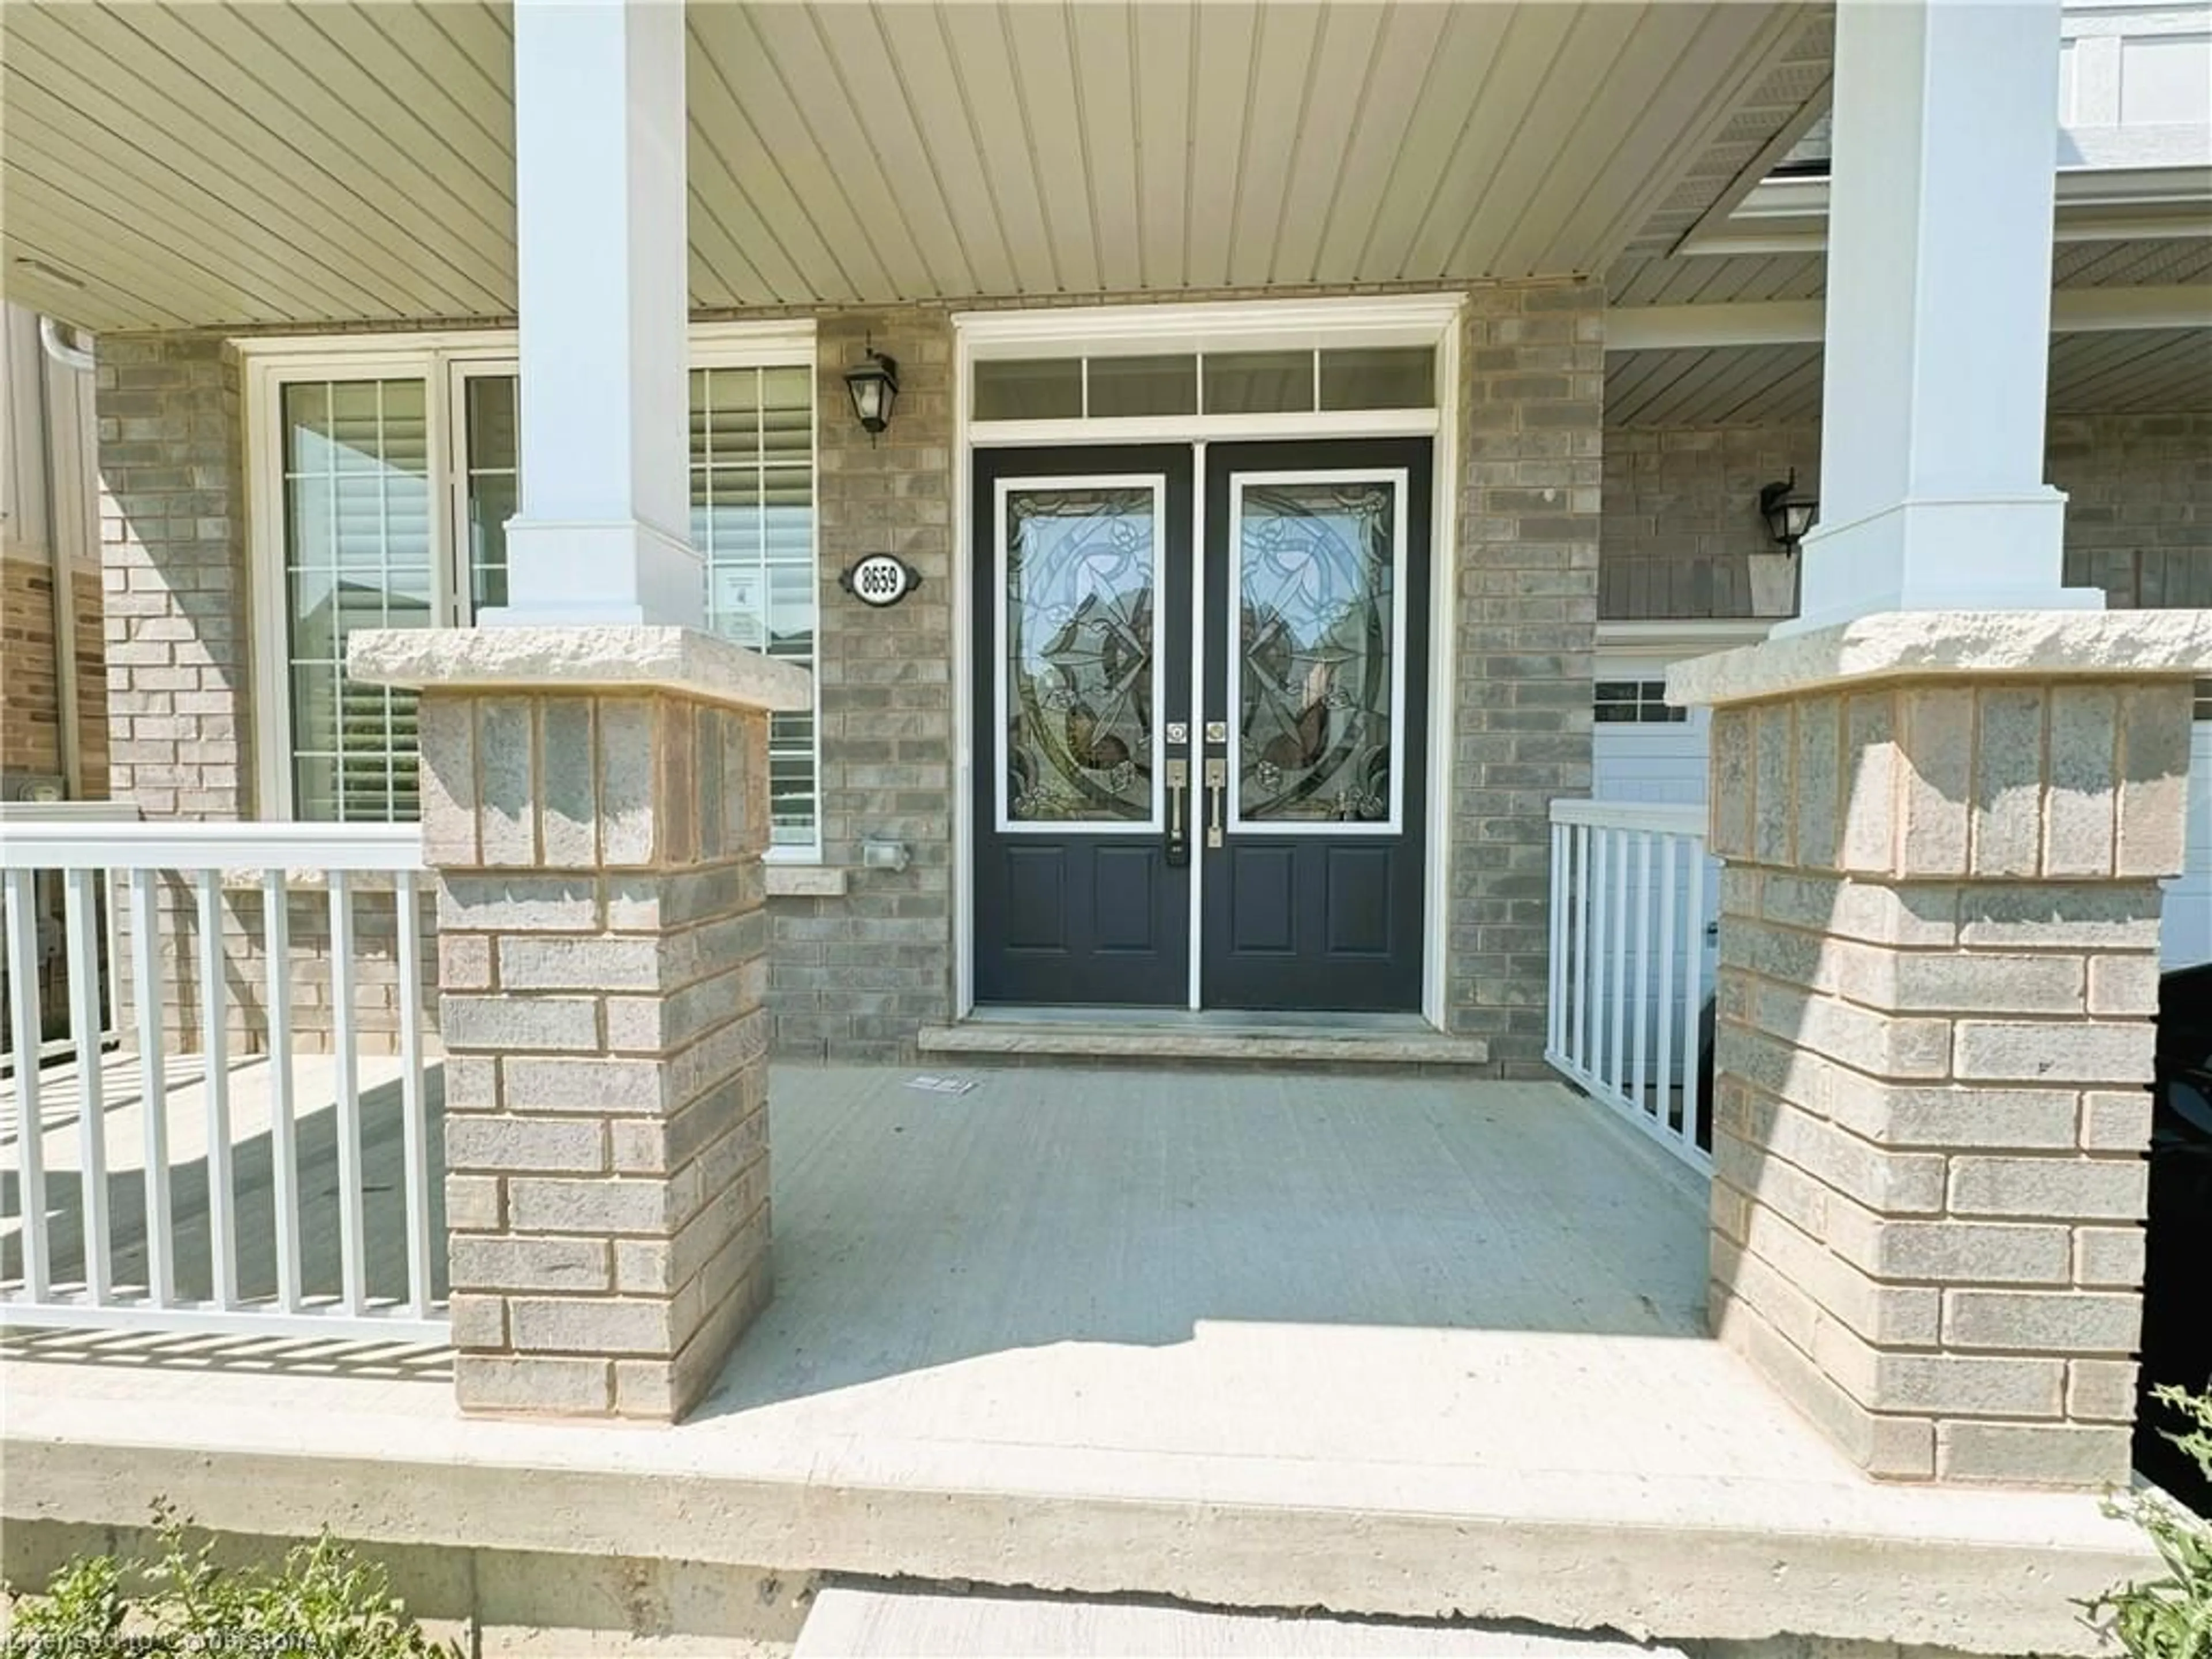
{"points": [[1803, 322], [1670, 639]]}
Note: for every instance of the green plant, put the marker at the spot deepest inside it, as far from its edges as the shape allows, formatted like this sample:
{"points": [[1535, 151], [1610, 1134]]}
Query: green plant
{"points": [[320, 1603], [81, 1610], [2169, 1616]]}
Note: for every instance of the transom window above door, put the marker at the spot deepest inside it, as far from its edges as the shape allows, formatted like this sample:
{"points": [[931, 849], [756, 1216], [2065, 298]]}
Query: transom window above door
{"points": [[383, 483], [1295, 381]]}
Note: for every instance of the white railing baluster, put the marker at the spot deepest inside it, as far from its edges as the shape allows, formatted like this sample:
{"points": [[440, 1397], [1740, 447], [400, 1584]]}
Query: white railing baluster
{"points": [[1693, 930], [352, 1251], [1616, 1028], [214, 1084], [153, 1084], [1637, 1074], [1555, 1001], [1668, 943], [1580, 1052], [27, 1030], [284, 1128], [415, 1128], [1593, 1056], [1620, 993], [94, 847], [83, 946]]}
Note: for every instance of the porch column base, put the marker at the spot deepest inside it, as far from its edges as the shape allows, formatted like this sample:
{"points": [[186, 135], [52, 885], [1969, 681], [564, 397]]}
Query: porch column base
{"points": [[623, 574], [1943, 834], [595, 807]]}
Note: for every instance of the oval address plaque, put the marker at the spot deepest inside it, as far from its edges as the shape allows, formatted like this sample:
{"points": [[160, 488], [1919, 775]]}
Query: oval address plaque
{"points": [[881, 579]]}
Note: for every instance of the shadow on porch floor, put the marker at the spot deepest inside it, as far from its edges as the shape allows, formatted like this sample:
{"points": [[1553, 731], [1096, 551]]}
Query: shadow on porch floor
{"points": [[1398, 1347]]}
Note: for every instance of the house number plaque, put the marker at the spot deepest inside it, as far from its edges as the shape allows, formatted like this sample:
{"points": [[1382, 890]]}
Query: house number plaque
{"points": [[880, 579]]}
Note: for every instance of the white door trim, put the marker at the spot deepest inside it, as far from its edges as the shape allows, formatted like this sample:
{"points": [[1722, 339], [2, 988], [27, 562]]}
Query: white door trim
{"points": [[1430, 318]]}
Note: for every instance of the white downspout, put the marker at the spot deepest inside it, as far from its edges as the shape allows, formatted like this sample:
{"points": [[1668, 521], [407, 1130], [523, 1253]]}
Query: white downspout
{"points": [[70, 730]]}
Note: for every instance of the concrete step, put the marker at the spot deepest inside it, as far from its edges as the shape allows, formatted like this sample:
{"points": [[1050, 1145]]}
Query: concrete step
{"points": [[1206, 1040], [854, 1622]]}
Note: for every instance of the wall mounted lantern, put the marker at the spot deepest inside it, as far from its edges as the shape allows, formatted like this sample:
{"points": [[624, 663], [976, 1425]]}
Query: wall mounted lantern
{"points": [[873, 383], [1787, 514]]}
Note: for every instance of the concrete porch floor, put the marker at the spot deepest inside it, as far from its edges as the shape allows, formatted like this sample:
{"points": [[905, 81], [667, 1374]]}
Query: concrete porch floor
{"points": [[1413, 1346]]}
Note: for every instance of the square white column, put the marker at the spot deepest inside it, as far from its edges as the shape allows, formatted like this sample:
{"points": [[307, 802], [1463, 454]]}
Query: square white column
{"points": [[601, 252], [1939, 315]]}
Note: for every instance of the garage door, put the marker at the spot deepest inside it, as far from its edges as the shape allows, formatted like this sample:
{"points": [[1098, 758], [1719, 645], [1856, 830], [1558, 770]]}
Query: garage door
{"points": [[1641, 755], [2187, 938]]}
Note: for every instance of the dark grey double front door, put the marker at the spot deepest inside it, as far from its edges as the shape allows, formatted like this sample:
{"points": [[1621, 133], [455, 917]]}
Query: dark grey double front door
{"points": [[1200, 725]]}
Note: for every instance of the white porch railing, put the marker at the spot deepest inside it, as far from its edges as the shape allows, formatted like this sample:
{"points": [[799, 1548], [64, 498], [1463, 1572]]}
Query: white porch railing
{"points": [[1632, 911], [226, 1226]]}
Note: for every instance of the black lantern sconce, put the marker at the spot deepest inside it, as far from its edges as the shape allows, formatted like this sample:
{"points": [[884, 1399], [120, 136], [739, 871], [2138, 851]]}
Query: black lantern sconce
{"points": [[1787, 514], [873, 383]]}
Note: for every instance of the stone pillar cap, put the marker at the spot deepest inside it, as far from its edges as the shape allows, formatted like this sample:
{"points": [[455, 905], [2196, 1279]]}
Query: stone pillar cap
{"points": [[680, 662], [1923, 645]]}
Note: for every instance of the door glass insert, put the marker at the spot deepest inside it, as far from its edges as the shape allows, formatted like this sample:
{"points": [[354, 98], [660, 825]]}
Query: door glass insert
{"points": [[1081, 573], [1315, 700]]}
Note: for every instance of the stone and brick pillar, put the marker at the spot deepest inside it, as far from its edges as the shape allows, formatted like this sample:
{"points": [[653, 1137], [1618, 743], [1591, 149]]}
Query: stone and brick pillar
{"points": [[595, 807], [1943, 834]]}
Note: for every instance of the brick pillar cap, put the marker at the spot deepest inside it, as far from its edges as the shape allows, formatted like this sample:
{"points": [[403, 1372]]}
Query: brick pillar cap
{"points": [[679, 661], [1925, 644]]}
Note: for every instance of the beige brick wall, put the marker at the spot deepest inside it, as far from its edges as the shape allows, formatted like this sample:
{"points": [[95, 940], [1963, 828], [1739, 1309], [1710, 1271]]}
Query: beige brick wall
{"points": [[177, 644], [603, 948], [1939, 951], [376, 996], [172, 531], [853, 976], [1526, 590], [1682, 510]]}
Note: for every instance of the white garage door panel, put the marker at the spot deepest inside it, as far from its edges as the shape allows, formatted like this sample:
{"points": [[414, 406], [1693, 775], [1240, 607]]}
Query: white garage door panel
{"points": [[1658, 764], [1661, 763], [2186, 937]]}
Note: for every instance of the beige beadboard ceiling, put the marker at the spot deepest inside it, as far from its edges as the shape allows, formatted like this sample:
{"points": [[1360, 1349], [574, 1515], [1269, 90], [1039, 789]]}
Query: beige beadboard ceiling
{"points": [[266, 163]]}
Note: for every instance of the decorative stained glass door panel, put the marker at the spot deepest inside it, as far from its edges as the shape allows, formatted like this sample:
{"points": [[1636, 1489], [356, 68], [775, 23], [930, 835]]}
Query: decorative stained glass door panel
{"points": [[1316, 558], [1082, 617]]}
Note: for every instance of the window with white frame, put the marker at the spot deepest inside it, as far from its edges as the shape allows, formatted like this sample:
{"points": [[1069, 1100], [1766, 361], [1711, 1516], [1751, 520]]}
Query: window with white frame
{"points": [[385, 478]]}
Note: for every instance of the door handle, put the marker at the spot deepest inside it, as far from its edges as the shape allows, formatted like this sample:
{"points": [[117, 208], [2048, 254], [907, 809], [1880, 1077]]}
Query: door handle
{"points": [[1178, 840], [1216, 785]]}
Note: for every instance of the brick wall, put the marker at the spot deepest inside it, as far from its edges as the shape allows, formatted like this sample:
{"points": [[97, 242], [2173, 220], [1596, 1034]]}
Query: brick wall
{"points": [[1938, 969], [376, 994], [172, 531], [1532, 420], [1682, 510], [2139, 505], [853, 977], [177, 644]]}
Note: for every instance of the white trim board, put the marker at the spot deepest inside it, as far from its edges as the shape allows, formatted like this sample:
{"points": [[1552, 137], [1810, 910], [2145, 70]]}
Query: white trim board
{"points": [[443, 359], [1432, 318], [1804, 322]]}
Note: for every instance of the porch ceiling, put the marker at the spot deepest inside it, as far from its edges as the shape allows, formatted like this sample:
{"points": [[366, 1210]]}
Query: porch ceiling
{"points": [[1712, 279], [169, 165], [2133, 372]]}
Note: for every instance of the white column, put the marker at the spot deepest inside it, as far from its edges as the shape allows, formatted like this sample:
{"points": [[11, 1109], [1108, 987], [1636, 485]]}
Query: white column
{"points": [[1932, 495], [601, 250]]}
